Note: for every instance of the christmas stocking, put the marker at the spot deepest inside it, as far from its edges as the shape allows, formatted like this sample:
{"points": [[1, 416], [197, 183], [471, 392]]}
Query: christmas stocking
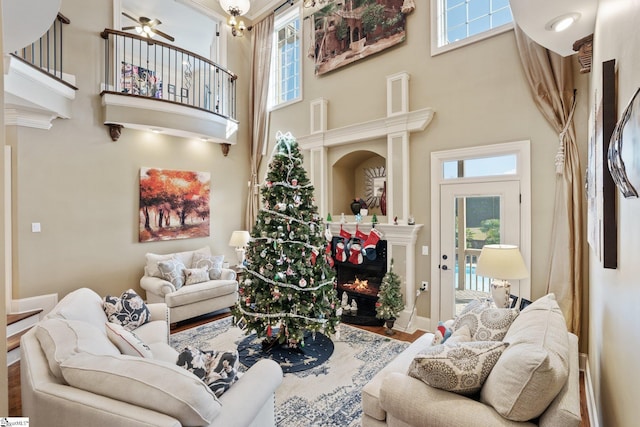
{"points": [[355, 256], [360, 235], [344, 234], [314, 255], [327, 234], [327, 254], [340, 253], [370, 244]]}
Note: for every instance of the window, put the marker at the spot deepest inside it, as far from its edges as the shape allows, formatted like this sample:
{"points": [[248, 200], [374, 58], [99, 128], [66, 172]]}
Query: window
{"points": [[480, 166], [456, 23], [286, 65]]}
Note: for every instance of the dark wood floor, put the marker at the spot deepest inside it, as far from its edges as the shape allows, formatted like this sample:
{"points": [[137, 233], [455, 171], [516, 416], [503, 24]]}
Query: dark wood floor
{"points": [[15, 401]]}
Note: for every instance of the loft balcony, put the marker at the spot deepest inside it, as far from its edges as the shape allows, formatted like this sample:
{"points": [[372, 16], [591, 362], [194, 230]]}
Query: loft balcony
{"points": [[36, 90], [152, 85]]}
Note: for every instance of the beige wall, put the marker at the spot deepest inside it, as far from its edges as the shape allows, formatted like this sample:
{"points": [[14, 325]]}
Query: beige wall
{"points": [[83, 188], [614, 294], [480, 97]]}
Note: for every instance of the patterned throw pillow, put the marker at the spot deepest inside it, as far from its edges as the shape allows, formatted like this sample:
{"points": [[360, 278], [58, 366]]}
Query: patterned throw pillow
{"points": [[128, 310], [485, 323], [460, 368], [172, 271], [127, 342], [195, 275], [213, 263], [219, 370]]}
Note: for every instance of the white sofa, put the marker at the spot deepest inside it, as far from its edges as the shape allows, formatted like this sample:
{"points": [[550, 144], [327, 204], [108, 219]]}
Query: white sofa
{"points": [[539, 350], [189, 301], [70, 346]]}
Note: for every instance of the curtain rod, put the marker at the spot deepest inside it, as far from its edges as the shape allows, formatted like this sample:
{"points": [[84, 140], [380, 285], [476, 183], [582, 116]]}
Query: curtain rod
{"points": [[287, 2]]}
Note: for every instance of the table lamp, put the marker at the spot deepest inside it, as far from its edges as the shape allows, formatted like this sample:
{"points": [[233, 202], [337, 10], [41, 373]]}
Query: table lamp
{"points": [[502, 263], [239, 239]]}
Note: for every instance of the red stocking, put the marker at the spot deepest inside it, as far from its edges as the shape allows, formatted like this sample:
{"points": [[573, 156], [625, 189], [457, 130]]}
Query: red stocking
{"points": [[370, 244], [340, 253]]}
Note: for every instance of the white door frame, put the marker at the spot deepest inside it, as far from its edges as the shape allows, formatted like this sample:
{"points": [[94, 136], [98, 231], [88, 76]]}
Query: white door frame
{"points": [[522, 149]]}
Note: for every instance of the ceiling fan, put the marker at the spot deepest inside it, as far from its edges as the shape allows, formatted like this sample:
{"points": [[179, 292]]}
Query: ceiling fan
{"points": [[146, 27]]}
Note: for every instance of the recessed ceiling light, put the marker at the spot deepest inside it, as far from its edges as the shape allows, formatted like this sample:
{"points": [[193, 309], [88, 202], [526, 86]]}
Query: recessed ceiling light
{"points": [[562, 22]]}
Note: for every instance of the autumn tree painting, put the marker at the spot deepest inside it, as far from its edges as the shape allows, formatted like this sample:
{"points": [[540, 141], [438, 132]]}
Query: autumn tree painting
{"points": [[173, 204]]}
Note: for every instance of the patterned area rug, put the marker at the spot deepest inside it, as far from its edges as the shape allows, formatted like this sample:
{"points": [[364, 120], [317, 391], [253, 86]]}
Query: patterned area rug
{"points": [[327, 395]]}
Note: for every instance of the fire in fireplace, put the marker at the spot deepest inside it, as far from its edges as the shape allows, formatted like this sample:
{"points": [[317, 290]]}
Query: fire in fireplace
{"points": [[361, 283]]}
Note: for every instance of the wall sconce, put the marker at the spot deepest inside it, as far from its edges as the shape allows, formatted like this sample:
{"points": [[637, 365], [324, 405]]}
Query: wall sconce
{"points": [[236, 8]]}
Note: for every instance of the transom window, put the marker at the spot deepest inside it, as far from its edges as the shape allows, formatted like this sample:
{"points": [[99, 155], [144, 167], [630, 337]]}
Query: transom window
{"points": [[481, 167], [286, 66], [457, 23]]}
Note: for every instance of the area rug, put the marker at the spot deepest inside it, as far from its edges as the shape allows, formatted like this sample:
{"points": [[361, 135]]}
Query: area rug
{"points": [[327, 395]]}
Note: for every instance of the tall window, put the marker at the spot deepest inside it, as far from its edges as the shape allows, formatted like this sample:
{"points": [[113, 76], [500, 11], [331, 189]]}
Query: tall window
{"points": [[457, 23], [286, 66]]}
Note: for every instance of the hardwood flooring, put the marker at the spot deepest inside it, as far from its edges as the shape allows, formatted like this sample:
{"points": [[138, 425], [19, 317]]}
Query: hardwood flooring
{"points": [[13, 371]]}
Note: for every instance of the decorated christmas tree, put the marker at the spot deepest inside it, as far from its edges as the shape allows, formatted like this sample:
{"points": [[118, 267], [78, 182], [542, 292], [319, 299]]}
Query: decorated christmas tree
{"points": [[389, 303], [288, 289]]}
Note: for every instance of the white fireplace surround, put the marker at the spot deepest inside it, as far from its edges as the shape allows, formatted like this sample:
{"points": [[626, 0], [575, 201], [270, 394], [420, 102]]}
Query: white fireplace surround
{"points": [[396, 127]]}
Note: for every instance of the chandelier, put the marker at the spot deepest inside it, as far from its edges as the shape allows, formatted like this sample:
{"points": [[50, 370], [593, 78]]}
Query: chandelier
{"points": [[236, 8]]}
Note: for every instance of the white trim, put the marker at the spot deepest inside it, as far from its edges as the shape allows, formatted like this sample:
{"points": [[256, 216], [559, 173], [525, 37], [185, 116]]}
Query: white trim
{"points": [[403, 78], [437, 28], [523, 151], [8, 260], [592, 407], [45, 302]]}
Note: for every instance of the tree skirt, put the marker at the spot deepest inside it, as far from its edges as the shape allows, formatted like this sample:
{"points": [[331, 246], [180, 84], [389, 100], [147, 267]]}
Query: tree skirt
{"points": [[316, 350], [326, 395]]}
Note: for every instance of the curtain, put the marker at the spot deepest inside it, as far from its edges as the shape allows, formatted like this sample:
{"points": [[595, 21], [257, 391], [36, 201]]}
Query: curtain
{"points": [[550, 78], [261, 46]]}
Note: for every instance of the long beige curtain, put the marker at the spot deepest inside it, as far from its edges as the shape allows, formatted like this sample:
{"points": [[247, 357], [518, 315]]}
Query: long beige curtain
{"points": [[261, 46], [550, 78]]}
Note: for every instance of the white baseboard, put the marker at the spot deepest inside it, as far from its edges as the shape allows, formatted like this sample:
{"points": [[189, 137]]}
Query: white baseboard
{"points": [[588, 385], [44, 302]]}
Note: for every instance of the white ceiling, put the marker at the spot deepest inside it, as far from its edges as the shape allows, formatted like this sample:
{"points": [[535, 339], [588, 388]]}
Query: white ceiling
{"points": [[534, 15]]}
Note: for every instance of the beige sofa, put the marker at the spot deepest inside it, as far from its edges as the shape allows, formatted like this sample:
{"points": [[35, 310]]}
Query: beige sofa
{"points": [[188, 301], [541, 357], [73, 375]]}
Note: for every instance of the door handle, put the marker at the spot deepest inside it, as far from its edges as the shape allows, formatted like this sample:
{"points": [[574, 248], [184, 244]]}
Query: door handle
{"points": [[444, 267]]}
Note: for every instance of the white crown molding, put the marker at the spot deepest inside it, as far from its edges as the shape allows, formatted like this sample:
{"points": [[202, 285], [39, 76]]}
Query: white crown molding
{"points": [[27, 118]]}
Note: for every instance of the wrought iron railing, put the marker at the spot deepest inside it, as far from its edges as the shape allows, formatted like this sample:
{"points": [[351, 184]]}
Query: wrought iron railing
{"points": [[143, 67], [46, 53]]}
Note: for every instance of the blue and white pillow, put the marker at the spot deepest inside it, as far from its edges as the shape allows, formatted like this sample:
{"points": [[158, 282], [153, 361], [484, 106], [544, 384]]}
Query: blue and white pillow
{"points": [[128, 310], [218, 369]]}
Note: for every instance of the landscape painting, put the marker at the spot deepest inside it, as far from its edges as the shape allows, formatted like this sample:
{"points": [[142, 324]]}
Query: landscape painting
{"points": [[345, 32], [173, 204]]}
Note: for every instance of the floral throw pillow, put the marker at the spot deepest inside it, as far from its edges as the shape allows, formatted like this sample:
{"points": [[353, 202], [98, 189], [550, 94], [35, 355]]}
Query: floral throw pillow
{"points": [[219, 370], [172, 271], [195, 275], [460, 368], [128, 310], [213, 263]]}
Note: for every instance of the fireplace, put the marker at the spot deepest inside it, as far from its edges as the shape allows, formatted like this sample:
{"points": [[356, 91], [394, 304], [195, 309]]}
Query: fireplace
{"points": [[360, 283]]}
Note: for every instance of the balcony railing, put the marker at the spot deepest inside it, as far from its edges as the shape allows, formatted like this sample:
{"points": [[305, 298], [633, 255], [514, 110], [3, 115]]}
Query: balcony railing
{"points": [[46, 53], [142, 67], [466, 276]]}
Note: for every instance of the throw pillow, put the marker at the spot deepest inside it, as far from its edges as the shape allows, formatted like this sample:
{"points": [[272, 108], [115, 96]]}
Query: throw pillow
{"points": [[442, 333], [486, 324], [151, 269], [459, 368], [172, 270], [219, 370], [460, 335], [149, 383], [195, 275], [127, 342], [213, 263], [61, 339], [128, 310]]}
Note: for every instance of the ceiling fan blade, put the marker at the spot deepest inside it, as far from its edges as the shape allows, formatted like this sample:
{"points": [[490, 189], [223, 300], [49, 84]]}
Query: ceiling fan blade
{"points": [[131, 17], [154, 22], [133, 27], [161, 34]]}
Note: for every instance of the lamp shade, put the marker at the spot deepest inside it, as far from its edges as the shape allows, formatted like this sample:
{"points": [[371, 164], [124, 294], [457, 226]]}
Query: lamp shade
{"points": [[235, 7], [239, 238], [502, 262]]}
